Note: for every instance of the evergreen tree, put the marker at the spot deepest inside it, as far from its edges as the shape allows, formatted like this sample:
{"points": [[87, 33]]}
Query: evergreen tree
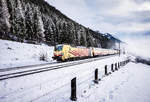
{"points": [[29, 21], [39, 27], [4, 18], [82, 42]]}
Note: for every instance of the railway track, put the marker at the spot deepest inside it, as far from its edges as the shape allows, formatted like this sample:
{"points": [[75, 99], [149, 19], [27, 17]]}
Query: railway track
{"points": [[33, 69], [25, 67]]}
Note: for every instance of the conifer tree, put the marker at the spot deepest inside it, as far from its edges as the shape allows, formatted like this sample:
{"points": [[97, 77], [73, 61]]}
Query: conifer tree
{"points": [[4, 18]]}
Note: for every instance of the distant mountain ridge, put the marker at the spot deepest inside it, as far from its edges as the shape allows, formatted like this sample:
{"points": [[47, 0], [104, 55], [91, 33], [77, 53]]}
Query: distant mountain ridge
{"points": [[36, 21]]}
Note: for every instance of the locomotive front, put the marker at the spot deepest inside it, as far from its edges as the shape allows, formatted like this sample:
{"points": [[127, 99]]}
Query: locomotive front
{"points": [[58, 52]]}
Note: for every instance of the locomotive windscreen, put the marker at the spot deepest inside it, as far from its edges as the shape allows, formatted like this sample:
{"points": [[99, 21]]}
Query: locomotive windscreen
{"points": [[58, 48]]}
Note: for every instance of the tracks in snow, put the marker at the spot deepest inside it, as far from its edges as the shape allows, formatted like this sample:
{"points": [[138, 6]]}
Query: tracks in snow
{"points": [[33, 69]]}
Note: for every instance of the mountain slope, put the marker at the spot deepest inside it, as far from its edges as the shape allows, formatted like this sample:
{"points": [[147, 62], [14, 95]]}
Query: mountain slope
{"points": [[35, 21]]}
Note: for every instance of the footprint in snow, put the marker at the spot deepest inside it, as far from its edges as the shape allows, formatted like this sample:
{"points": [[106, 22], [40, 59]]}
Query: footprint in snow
{"points": [[122, 83], [111, 95]]}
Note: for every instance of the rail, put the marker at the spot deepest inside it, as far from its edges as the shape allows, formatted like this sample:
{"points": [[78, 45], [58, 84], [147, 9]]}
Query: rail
{"points": [[33, 69]]}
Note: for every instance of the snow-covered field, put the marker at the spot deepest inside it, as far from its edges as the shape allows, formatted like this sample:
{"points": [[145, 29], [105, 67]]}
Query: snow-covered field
{"points": [[129, 84], [14, 54]]}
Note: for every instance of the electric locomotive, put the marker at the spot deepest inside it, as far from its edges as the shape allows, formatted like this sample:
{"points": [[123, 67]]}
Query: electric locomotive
{"points": [[64, 52]]}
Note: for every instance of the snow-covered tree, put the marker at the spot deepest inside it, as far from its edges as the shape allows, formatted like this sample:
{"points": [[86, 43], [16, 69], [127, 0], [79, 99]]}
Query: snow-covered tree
{"points": [[39, 25], [4, 17]]}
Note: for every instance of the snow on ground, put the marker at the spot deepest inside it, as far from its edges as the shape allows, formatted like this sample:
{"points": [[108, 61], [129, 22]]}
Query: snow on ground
{"points": [[129, 84], [53, 86], [14, 54]]}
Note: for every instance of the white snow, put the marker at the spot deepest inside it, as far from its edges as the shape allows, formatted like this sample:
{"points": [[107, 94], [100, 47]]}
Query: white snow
{"points": [[14, 54], [129, 84]]}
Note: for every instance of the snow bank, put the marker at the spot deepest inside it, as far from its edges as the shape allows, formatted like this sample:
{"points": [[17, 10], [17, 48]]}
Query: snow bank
{"points": [[14, 54], [129, 84], [54, 86]]}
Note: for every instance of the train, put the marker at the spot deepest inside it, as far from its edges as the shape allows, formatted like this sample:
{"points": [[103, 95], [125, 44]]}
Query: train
{"points": [[65, 52]]}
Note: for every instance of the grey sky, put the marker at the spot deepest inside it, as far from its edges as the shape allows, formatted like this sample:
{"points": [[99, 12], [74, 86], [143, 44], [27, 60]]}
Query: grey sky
{"points": [[112, 16], [127, 19]]}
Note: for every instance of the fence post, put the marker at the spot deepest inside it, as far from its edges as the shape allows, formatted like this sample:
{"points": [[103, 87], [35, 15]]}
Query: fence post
{"points": [[96, 76], [106, 70], [112, 67], [116, 66], [73, 89]]}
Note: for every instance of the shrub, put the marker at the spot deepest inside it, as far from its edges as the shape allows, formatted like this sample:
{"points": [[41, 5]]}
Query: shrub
{"points": [[43, 56]]}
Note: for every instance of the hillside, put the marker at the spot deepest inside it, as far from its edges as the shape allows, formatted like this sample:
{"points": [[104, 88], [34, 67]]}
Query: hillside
{"points": [[15, 54], [36, 21]]}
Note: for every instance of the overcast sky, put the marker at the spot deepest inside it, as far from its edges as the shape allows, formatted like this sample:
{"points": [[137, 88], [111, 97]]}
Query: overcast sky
{"points": [[126, 19], [112, 16]]}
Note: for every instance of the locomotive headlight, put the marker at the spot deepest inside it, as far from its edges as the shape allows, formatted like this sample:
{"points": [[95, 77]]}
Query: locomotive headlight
{"points": [[58, 54]]}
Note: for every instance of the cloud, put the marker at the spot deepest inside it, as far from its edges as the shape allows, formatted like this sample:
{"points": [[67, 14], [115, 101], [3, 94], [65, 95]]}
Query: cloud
{"points": [[126, 19], [138, 46], [113, 16], [75, 9]]}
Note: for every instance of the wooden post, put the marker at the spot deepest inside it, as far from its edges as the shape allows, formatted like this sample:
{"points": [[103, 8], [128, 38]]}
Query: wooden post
{"points": [[96, 76], [106, 70], [116, 66], [73, 90], [112, 67]]}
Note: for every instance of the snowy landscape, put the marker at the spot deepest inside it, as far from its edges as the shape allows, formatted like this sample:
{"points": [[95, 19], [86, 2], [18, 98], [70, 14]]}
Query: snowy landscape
{"points": [[126, 84], [13, 54], [74, 51]]}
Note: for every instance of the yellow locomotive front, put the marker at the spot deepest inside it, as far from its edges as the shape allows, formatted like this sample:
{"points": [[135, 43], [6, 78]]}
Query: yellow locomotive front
{"points": [[61, 52], [58, 52]]}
